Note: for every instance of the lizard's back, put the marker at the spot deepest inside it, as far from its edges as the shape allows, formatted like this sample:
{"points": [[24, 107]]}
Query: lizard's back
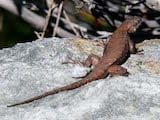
{"points": [[117, 48]]}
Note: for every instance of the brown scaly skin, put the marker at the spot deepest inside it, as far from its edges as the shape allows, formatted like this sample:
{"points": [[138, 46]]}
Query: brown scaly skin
{"points": [[116, 52]]}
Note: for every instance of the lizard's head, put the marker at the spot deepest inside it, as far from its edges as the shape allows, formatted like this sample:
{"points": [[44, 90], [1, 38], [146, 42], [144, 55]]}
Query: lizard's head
{"points": [[132, 23]]}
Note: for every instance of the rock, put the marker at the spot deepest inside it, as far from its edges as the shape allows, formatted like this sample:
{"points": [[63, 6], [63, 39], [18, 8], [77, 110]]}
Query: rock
{"points": [[29, 69], [154, 4]]}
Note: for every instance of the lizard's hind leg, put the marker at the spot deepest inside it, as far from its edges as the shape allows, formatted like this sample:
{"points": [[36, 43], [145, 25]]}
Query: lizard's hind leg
{"points": [[92, 59], [118, 70]]}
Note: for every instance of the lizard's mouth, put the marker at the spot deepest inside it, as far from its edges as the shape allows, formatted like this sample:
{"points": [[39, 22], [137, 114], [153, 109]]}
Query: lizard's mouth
{"points": [[135, 27], [139, 22]]}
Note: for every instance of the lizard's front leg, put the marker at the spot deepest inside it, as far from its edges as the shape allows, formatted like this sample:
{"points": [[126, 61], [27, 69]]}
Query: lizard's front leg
{"points": [[132, 48], [117, 70]]}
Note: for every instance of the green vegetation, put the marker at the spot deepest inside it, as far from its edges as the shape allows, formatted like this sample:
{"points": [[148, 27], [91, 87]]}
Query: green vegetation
{"points": [[14, 30]]}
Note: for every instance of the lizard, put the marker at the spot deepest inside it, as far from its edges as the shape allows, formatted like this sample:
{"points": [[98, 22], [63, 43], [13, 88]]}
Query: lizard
{"points": [[116, 52]]}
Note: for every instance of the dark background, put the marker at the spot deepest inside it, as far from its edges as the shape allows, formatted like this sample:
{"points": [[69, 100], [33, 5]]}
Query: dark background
{"points": [[14, 30]]}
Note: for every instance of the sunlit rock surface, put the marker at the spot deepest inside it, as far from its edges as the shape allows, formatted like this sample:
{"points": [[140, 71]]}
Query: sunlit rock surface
{"points": [[31, 69]]}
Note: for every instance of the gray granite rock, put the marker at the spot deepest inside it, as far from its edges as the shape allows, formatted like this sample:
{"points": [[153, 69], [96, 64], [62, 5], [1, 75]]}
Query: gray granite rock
{"points": [[30, 69], [154, 4]]}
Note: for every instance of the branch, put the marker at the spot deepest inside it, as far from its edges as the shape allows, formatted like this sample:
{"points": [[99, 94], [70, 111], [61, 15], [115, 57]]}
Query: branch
{"points": [[58, 18]]}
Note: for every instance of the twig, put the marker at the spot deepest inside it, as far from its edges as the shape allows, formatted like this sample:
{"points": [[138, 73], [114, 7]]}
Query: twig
{"points": [[51, 8], [37, 34], [70, 23], [57, 21], [74, 24], [103, 34]]}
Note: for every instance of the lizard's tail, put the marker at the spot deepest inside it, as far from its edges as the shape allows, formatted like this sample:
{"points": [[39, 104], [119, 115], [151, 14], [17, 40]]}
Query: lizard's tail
{"points": [[65, 88]]}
